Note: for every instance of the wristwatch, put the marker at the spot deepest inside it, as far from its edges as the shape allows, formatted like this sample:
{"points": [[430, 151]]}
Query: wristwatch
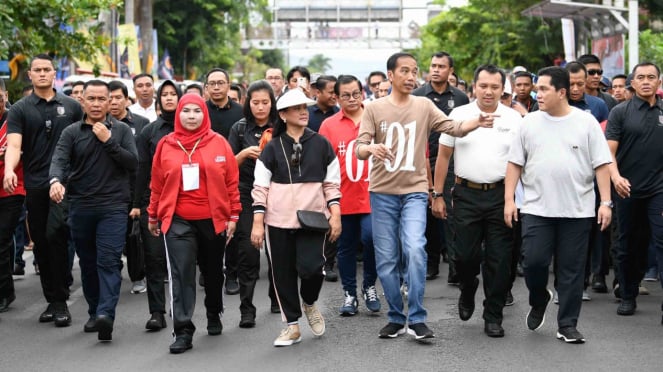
{"points": [[436, 195], [607, 203], [53, 180]]}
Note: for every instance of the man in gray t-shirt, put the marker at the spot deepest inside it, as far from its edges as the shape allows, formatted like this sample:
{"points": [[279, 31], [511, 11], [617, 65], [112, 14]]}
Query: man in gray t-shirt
{"points": [[556, 155]]}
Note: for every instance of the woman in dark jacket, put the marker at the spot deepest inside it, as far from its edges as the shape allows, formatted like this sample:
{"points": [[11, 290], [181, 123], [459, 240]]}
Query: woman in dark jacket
{"points": [[245, 139], [297, 170]]}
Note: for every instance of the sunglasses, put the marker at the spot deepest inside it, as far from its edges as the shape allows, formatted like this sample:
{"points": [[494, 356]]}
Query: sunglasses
{"points": [[594, 72], [49, 128], [296, 157]]}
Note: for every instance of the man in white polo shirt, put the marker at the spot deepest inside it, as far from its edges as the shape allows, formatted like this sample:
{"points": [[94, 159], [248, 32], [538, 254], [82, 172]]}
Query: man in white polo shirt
{"points": [[478, 197]]}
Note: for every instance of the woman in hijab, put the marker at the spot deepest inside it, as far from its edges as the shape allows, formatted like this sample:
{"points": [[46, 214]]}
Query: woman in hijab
{"points": [[195, 199], [296, 172]]}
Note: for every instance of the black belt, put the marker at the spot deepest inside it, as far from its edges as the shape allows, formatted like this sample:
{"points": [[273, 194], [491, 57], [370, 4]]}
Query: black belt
{"points": [[478, 186]]}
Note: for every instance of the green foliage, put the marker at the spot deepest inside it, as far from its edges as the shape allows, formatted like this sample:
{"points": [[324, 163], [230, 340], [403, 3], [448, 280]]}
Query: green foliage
{"points": [[31, 27], [651, 47], [488, 31], [319, 63], [201, 34]]}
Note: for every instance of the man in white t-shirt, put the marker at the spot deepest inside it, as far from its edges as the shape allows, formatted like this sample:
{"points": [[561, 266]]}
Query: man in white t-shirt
{"points": [[144, 89], [478, 198], [556, 155]]}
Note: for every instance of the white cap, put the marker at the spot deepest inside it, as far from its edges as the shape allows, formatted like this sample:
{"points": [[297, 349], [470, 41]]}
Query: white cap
{"points": [[519, 69], [507, 87], [293, 97]]}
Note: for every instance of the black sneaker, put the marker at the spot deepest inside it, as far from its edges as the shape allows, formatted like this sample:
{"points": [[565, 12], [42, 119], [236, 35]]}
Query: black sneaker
{"points": [[19, 270], [232, 287], [420, 331], [537, 315], [392, 330], [330, 274], [214, 326], [570, 335]]}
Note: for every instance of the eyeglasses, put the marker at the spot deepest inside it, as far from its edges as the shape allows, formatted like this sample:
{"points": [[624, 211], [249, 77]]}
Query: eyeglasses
{"points": [[49, 128], [594, 72], [219, 83], [296, 154], [346, 96]]}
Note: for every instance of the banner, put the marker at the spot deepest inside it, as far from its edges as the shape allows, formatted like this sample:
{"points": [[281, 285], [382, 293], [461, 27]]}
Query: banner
{"points": [[128, 45], [610, 51]]}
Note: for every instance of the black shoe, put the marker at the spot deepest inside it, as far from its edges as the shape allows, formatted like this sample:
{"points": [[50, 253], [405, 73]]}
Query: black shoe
{"points": [[37, 272], [598, 284], [274, 308], [509, 299], [201, 280], [466, 299], [19, 270], [232, 287], [420, 331], [4, 302], [537, 315], [214, 326], [570, 335], [627, 307], [445, 257], [330, 274], [181, 344], [453, 279], [247, 321], [617, 291], [47, 315], [105, 328], [392, 330], [157, 322], [519, 270], [493, 329], [61, 315], [91, 325], [432, 273]]}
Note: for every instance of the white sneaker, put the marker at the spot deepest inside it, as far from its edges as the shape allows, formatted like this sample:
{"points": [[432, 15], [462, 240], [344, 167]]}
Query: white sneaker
{"points": [[139, 287], [585, 296], [315, 319], [288, 336]]}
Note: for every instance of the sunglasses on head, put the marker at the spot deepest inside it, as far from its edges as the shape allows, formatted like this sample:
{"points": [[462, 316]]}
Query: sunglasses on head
{"points": [[296, 154], [594, 72]]}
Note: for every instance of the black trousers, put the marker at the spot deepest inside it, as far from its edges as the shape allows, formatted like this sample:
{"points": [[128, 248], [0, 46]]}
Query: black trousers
{"points": [[479, 218], [186, 243], [296, 253], [565, 239], [517, 252], [50, 233], [248, 258], [10, 212], [448, 225], [155, 266], [434, 241]]}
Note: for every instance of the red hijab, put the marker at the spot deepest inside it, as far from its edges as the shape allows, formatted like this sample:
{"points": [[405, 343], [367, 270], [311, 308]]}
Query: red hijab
{"points": [[186, 137]]}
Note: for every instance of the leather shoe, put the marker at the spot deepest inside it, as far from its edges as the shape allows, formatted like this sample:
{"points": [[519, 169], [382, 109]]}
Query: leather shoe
{"points": [[19, 270], [61, 315], [247, 321], [466, 299], [91, 325], [432, 273], [4, 302], [157, 322], [330, 274], [105, 328], [47, 315], [493, 330], [627, 307], [182, 343], [598, 284]]}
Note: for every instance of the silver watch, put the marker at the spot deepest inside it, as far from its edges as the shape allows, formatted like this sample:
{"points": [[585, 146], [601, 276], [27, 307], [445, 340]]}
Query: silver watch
{"points": [[607, 203]]}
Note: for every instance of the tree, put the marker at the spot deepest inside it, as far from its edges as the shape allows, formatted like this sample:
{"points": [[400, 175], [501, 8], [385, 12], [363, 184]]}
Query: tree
{"points": [[651, 47], [319, 63], [487, 31], [201, 34], [63, 27]]}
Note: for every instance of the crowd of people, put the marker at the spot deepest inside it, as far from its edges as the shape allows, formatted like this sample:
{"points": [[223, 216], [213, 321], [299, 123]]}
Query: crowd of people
{"points": [[503, 177]]}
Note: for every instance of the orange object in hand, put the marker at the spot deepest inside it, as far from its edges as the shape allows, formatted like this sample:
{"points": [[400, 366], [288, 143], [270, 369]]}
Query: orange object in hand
{"points": [[266, 137]]}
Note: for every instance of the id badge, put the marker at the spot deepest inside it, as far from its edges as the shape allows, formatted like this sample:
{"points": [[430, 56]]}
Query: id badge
{"points": [[190, 177]]}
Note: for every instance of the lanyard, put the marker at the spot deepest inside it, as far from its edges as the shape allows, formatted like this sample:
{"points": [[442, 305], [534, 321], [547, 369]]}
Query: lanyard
{"points": [[189, 154]]}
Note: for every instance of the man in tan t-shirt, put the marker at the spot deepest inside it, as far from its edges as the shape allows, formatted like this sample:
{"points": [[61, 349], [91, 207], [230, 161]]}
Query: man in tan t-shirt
{"points": [[395, 132]]}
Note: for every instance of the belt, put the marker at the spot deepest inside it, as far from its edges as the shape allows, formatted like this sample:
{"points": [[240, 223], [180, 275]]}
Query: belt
{"points": [[478, 186]]}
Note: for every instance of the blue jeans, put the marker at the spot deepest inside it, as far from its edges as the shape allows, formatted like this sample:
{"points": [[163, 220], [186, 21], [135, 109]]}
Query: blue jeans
{"points": [[99, 236], [399, 225], [356, 228]]}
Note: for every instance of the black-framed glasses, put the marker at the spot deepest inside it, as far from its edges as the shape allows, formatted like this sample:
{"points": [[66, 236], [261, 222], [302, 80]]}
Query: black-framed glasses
{"points": [[296, 157], [346, 96], [594, 72], [49, 128]]}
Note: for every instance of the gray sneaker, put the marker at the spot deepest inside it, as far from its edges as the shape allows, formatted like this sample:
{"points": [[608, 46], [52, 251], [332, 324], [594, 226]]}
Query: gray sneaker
{"points": [[139, 287]]}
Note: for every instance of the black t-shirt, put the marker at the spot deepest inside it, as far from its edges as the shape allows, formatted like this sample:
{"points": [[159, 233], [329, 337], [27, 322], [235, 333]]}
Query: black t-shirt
{"points": [[251, 137], [317, 116], [223, 118], [638, 127], [41, 122]]}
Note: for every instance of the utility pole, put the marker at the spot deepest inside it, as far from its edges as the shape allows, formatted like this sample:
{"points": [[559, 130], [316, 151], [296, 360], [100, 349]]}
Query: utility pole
{"points": [[145, 21]]}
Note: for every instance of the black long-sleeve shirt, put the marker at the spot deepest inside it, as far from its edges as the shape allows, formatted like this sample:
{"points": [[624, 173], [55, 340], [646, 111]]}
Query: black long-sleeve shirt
{"points": [[146, 143], [98, 173]]}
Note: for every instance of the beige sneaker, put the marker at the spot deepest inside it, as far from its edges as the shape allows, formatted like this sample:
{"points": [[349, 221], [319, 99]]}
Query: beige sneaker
{"points": [[288, 336], [315, 319], [642, 290]]}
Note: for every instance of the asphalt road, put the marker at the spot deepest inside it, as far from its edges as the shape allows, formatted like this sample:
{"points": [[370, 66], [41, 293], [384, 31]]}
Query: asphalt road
{"points": [[614, 343]]}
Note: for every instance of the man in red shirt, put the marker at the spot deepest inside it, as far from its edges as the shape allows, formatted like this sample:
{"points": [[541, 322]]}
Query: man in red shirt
{"points": [[341, 130]]}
